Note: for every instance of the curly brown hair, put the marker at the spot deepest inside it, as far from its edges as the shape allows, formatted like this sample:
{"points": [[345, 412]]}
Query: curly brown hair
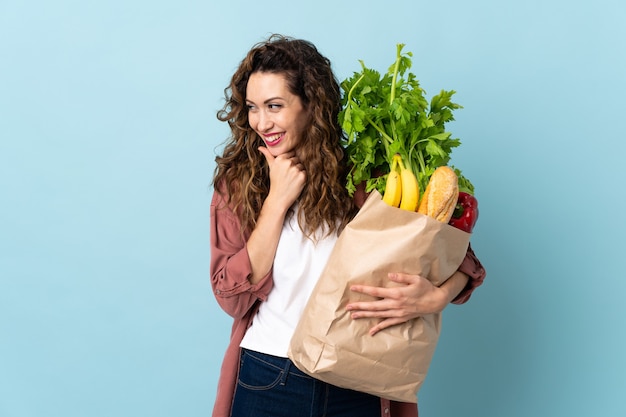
{"points": [[242, 173]]}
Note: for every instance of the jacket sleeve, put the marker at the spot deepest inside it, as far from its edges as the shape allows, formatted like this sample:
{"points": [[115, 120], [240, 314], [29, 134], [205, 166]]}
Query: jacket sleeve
{"points": [[230, 263], [472, 267]]}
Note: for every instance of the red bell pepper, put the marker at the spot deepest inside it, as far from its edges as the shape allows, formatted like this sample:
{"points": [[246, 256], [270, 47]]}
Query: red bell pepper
{"points": [[465, 213]]}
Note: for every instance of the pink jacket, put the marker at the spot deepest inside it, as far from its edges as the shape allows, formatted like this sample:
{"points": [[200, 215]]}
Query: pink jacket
{"points": [[230, 269]]}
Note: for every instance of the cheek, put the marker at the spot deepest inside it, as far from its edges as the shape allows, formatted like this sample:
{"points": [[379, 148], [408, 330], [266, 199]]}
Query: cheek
{"points": [[252, 120]]}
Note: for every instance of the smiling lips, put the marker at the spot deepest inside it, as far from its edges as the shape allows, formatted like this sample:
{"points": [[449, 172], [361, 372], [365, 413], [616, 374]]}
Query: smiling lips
{"points": [[273, 139]]}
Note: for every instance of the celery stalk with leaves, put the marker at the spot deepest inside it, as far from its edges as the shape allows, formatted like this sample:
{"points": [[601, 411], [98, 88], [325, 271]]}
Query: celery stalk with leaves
{"points": [[387, 114]]}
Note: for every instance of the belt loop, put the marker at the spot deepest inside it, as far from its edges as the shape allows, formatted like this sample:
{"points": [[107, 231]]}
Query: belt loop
{"points": [[285, 372]]}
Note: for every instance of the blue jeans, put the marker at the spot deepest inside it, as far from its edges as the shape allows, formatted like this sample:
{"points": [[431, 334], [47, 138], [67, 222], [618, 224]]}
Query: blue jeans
{"points": [[269, 386]]}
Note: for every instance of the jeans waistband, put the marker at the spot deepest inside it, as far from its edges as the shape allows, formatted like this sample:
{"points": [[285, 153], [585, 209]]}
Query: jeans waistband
{"points": [[280, 363]]}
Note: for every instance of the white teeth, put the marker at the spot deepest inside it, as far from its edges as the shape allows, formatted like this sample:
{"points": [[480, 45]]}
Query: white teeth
{"points": [[273, 138]]}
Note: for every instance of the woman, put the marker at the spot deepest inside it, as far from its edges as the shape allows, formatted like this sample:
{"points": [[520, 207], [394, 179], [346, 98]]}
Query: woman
{"points": [[279, 204]]}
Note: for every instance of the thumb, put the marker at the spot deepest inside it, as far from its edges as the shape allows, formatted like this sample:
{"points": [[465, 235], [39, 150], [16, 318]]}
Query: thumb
{"points": [[268, 155]]}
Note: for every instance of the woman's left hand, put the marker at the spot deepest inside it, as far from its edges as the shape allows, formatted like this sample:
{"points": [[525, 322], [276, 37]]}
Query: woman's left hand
{"points": [[416, 297]]}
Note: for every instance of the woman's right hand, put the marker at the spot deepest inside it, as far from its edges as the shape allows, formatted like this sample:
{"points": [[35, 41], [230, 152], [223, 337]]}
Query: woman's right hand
{"points": [[287, 177]]}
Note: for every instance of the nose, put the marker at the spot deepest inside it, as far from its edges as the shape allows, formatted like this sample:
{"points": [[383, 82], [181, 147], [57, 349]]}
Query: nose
{"points": [[265, 122]]}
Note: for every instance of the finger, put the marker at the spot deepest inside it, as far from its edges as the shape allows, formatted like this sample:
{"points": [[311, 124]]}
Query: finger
{"points": [[268, 155], [394, 293], [385, 324], [401, 278], [366, 307], [287, 156], [371, 314], [378, 292], [295, 162], [407, 279]]}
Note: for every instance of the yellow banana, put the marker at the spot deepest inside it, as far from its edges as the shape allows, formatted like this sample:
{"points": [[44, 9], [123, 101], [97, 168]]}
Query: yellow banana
{"points": [[393, 188], [410, 188]]}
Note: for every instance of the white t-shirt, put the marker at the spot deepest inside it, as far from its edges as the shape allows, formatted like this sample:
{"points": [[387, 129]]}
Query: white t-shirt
{"points": [[297, 267]]}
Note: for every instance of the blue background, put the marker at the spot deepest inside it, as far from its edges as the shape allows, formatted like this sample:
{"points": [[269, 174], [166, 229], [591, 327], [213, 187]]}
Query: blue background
{"points": [[107, 143]]}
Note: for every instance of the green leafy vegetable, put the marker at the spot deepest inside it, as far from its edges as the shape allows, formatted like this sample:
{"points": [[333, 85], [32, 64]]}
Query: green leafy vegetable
{"points": [[387, 114]]}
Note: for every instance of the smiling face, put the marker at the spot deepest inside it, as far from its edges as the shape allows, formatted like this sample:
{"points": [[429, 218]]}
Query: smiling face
{"points": [[274, 112]]}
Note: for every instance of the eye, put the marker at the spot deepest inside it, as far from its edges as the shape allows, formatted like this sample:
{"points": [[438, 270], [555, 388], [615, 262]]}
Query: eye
{"points": [[274, 106], [250, 107]]}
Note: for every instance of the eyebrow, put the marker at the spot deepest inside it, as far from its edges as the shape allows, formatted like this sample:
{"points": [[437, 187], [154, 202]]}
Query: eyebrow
{"points": [[268, 100]]}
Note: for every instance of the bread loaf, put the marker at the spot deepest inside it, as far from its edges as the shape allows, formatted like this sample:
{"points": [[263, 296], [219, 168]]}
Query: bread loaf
{"points": [[441, 194]]}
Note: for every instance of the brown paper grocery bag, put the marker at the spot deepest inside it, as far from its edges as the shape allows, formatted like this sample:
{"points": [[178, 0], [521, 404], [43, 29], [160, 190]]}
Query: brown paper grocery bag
{"points": [[332, 347]]}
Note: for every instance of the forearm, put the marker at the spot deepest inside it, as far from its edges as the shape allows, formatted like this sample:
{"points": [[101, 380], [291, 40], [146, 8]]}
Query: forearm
{"points": [[230, 264], [453, 286], [263, 240], [472, 267]]}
